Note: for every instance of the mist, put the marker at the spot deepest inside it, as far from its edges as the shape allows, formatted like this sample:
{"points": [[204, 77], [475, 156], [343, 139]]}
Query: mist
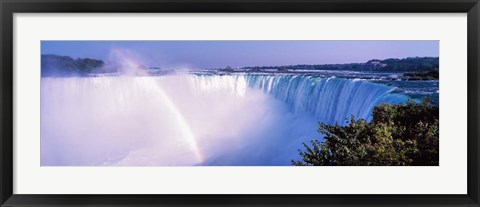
{"points": [[166, 120], [133, 118]]}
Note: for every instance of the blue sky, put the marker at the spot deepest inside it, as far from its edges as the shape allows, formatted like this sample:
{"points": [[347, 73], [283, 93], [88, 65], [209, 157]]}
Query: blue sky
{"points": [[214, 54]]}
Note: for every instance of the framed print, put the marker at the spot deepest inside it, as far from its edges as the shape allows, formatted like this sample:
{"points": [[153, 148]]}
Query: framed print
{"points": [[245, 103]]}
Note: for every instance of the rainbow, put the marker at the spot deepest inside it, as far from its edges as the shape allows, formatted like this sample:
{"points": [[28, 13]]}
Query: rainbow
{"points": [[131, 66]]}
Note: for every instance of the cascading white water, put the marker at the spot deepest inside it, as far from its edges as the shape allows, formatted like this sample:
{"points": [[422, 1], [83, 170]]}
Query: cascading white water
{"points": [[90, 119], [194, 119], [329, 99]]}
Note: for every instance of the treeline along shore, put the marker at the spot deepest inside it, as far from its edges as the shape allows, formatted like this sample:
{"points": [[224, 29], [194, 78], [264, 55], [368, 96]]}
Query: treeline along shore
{"points": [[413, 68], [391, 64]]}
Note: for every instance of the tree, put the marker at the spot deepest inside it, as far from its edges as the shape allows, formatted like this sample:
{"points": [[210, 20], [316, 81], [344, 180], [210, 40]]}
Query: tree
{"points": [[405, 134], [55, 65], [227, 69]]}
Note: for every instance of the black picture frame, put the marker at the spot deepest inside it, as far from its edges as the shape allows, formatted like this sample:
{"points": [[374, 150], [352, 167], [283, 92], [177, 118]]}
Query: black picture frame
{"points": [[9, 7]]}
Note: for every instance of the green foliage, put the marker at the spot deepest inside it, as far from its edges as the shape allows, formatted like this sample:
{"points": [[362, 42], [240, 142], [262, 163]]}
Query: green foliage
{"points": [[398, 135], [425, 75], [411, 64], [227, 69], [55, 65], [392, 64]]}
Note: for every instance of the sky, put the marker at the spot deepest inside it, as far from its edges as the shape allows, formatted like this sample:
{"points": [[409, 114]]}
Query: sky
{"points": [[239, 53]]}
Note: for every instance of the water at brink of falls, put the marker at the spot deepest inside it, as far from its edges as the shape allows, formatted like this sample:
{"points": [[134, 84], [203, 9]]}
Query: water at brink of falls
{"points": [[195, 119]]}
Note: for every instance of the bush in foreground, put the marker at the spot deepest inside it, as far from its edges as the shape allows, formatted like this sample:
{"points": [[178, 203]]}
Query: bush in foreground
{"points": [[401, 135]]}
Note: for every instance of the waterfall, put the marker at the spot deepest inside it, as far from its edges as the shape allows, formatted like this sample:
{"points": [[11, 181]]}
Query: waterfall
{"points": [[237, 119], [329, 99]]}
